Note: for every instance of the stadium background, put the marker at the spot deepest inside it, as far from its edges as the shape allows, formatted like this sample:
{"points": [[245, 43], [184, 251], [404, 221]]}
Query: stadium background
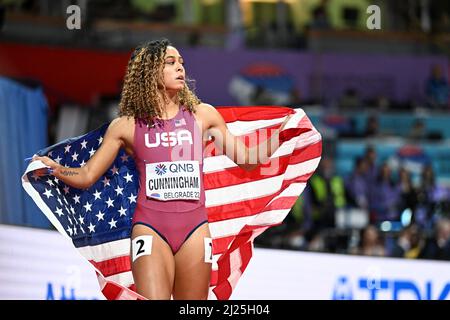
{"points": [[373, 222]]}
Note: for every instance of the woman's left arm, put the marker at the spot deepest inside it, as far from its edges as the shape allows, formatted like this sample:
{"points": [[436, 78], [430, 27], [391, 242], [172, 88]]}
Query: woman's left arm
{"points": [[245, 157]]}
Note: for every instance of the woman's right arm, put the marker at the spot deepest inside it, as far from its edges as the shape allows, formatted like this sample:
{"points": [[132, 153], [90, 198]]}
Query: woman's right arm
{"points": [[84, 177]]}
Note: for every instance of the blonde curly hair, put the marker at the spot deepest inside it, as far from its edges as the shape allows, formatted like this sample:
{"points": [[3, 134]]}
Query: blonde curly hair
{"points": [[143, 80]]}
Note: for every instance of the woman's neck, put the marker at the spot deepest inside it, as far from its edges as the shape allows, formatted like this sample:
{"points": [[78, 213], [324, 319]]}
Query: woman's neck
{"points": [[172, 106], [170, 111]]}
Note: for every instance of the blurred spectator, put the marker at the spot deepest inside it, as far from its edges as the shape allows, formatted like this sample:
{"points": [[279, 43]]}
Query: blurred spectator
{"points": [[327, 195], [370, 243], [370, 155], [320, 18], [426, 205], [418, 131], [408, 194], [372, 127], [350, 100], [409, 243], [262, 97], [439, 246], [437, 89], [384, 197], [357, 186], [294, 98]]}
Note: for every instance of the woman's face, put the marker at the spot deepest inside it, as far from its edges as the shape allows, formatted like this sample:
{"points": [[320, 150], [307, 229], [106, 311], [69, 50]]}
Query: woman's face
{"points": [[173, 71]]}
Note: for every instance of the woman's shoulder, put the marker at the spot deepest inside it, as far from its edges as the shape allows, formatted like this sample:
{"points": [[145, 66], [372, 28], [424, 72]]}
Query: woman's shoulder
{"points": [[121, 124], [204, 107]]}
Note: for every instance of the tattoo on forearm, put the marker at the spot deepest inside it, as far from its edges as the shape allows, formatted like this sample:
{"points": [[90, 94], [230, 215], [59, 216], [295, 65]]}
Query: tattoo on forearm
{"points": [[68, 173]]}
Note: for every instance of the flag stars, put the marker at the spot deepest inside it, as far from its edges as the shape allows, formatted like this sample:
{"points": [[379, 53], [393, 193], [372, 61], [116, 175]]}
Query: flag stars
{"points": [[58, 159], [114, 170], [88, 206], [105, 182], [76, 199], [75, 156], [59, 211], [82, 164], [132, 198], [69, 230], [129, 177], [81, 219], [124, 158], [66, 189], [91, 228], [60, 202], [50, 182], [112, 223], [100, 140], [123, 211], [97, 195], [67, 148], [109, 202], [100, 216], [48, 193], [91, 152], [118, 190], [83, 144]]}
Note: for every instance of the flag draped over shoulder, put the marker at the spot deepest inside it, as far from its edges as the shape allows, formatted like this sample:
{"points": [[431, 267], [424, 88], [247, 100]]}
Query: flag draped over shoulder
{"points": [[240, 204]]}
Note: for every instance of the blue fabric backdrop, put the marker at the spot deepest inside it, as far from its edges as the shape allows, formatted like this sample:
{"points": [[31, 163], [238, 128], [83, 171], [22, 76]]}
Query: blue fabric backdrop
{"points": [[23, 130]]}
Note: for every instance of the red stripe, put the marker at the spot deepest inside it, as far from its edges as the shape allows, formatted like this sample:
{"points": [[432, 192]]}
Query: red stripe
{"points": [[223, 291], [111, 291], [113, 266], [236, 175], [252, 113], [246, 251]]}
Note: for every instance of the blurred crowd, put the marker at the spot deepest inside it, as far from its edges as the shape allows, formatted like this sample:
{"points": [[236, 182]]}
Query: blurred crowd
{"points": [[381, 213]]}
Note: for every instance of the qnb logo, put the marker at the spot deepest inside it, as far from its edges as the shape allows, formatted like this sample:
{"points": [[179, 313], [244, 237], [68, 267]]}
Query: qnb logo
{"points": [[394, 289], [160, 169], [169, 139]]}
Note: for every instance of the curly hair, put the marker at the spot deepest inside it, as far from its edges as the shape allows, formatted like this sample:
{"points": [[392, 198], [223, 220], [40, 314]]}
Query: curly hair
{"points": [[143, 80]]}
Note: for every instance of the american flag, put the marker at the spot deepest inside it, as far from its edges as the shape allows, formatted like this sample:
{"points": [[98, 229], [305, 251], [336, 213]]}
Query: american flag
{"points": [[240, 204]]}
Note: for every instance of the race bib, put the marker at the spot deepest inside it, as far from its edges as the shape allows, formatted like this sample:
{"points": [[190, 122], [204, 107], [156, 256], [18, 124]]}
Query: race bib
{"points": [[173, 180]]}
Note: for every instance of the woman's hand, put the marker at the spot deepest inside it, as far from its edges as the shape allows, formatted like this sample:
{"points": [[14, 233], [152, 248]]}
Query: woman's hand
{"points": [[53, 166]]}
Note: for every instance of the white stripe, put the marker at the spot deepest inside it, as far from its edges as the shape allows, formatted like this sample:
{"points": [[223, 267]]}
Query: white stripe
{"points": [[257, 189], [106, 251], [125, 279], [231, 227], [292, 171], [235, 268], [238, 128]]}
